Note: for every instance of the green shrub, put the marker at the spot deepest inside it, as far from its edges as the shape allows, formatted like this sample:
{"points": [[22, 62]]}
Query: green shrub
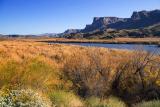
{"points": [[155, 103], [22, 98], [65, 99], [110, 102]]}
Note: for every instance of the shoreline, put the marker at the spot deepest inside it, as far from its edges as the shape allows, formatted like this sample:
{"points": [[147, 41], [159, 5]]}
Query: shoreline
{"points": [[143, 41]]}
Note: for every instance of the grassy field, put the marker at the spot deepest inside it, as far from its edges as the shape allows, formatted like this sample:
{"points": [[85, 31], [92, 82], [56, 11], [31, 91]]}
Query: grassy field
{"points": [[75, 76]]}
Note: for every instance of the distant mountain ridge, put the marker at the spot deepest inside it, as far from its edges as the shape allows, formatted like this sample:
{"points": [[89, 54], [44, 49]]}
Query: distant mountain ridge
{"points": [[140, 19]]}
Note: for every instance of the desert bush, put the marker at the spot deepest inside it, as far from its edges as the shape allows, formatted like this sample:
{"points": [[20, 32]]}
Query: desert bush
{"points": [[90, 73], [155, 103], [65, 99], [136, 77], [109, 102], [22, 98]]}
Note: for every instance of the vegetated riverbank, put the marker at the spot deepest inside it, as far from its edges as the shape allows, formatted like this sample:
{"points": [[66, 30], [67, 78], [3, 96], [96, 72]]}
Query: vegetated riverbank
{"points": [[149, 41], [75, 76]]}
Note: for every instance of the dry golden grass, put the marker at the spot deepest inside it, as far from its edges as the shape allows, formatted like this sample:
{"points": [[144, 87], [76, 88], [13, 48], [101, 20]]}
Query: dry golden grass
{"points": [[19, 50], [18, 61], [40, 66]]}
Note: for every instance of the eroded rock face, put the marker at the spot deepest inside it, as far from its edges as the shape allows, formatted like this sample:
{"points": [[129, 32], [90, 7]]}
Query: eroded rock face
{"points": [[145, 14], [69, 31], [106, 20], [139, 19], [101, 23], [139, 15]]}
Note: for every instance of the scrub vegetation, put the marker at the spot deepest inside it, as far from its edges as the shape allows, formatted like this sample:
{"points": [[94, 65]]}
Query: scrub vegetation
{"points": [[35, 74]]}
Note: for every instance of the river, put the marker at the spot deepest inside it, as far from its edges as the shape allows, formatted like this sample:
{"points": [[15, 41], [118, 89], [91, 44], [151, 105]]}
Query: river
{"points": [[149, 48]]}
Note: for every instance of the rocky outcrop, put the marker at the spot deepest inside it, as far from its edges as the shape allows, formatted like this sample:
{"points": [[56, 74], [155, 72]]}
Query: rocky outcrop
{"points": [[101, 23], [151, 31], [69, 31], [138, 20]]}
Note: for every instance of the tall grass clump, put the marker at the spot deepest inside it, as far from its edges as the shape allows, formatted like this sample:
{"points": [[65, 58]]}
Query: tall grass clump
{"points": [[8, 72], [154, 103], [33, 73], [39, 74], [95, 102], [115, 102], [65, 99], [109, 102]]}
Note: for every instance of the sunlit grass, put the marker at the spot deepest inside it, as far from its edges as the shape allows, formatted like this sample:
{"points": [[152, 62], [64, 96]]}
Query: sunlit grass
{"points": [[154, 103], [109, 102], [65, 99], [40, 66]]}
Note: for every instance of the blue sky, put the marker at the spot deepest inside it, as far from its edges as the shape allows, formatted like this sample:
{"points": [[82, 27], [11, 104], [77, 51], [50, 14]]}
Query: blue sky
{"points": [[54, 16]]}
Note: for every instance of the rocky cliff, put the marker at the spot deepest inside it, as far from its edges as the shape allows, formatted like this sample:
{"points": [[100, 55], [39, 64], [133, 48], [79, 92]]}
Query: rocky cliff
{"points": [[69, 31], [138, 20]]}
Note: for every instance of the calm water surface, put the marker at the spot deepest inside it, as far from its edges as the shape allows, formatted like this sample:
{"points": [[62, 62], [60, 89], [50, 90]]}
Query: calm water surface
{"points": [[149, 48]]}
